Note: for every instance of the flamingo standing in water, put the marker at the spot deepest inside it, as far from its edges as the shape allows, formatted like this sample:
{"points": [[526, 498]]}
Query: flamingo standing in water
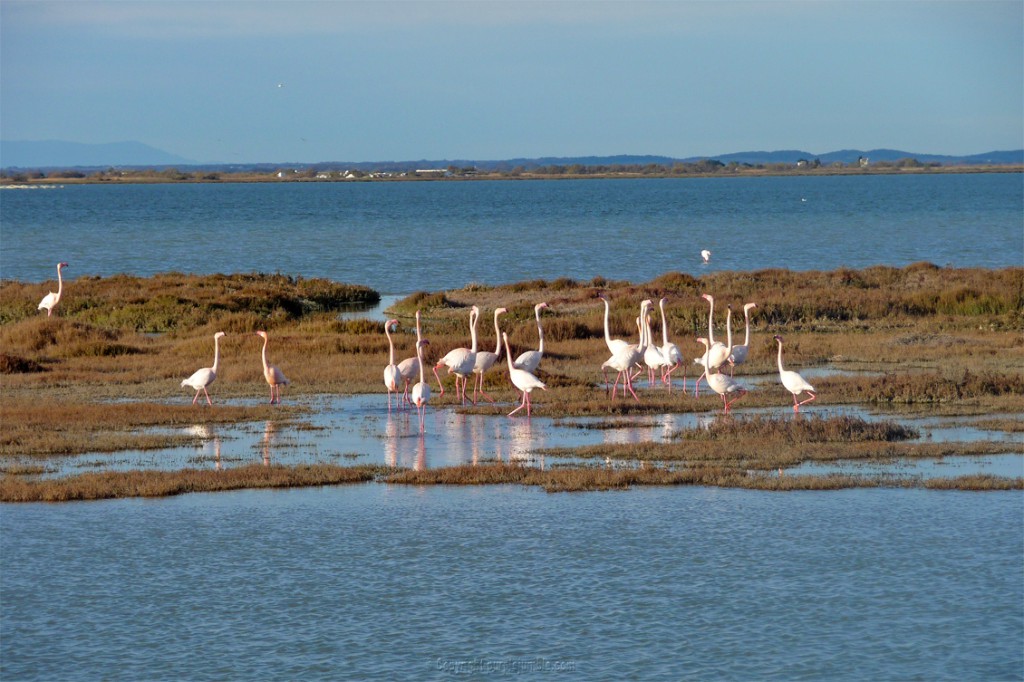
{"points": [[410, 367], [460, 361], [724, 385], [627, 357], [207, 375], [530, 360], [653, 357], [716, 353], [706, 255], [739, 353], [523, 380], [614, 345], [671, 352], [274, 376], [421, 391], [793, 382], [51, 300], [485, 360], [391, 373]]}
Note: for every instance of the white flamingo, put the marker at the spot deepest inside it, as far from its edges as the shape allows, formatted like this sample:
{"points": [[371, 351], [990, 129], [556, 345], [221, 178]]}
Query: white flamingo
{"points": [[274, 376], [485, 360], [724, 385], [530, 360], [793, 382], [653, 357], [717, 353], [671, 351], [739, 353], [706, 255], [410, 367], [521, 379], [614, 345], [421, 391], [391, 373], [51, 300], [460, 361], [207, 375], [627, 358]]}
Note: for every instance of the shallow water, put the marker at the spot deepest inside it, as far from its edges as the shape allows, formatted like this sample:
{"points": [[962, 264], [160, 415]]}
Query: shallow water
{"points": [[390, 582], [361, 430]]}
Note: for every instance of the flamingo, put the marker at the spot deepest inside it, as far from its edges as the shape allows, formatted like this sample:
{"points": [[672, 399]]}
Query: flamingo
{"points": [[51, 300], [706, 255], [460, 361], [391, 373], [530, 360], [614, 345], [653, 357], [523, 380], [671, 352], [724, 385], [485, 360], [273, 375], [793, 382], [410, 367], [739, 353], [627, 357], [421, 391], [716, 353], [207, 375]]}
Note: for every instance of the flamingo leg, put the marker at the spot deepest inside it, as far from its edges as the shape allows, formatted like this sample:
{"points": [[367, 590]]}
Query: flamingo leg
{"points": [[629, 385], [521, 405], [196, 398], [696, 387], [482, 392], [208, 401], [439, 383], [796, 405], [528, 402]]}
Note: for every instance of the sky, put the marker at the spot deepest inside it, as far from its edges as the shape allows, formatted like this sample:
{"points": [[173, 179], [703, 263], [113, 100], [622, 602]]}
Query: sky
{"points": [[243, 81]]}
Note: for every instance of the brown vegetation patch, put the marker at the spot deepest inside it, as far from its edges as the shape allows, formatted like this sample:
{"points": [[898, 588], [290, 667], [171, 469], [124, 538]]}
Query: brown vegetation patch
{"points": [[116, 484]]}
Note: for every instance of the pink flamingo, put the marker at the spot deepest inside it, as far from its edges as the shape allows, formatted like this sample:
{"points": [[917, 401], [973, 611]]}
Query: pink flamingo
{"points": [[671, 352], [207, 375], [627, 358], [523, 380], [460, 361], [51, 300], [421, 391], [724, 385], [717, 353], [739, 353], [410, 367], [530, 360], [273, 375], [793, 382], [485, 360], [391, 373]]}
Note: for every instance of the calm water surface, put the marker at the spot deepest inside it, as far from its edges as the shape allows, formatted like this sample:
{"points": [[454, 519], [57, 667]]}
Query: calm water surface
{"points": [[382, 582], [405, 237]]}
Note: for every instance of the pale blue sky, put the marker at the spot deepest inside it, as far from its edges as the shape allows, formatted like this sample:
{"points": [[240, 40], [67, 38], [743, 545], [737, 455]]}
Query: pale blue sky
{"points": [[375, 81]]}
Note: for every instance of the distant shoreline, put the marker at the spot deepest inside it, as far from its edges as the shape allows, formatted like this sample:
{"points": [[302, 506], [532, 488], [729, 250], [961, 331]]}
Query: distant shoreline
{"points": [[172, 176]]}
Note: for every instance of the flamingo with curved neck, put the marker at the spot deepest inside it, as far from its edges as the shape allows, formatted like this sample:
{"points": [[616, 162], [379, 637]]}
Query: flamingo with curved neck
{"points": [[410, 367], [716, 352], [723, 385], [793, 382], [207, 375], [530, 360], [421, 391], [460, 361], [391, 373], [274, 376], [739, 353], [627, 358], [521, 379], [51, 300], [671, 352], [614, 345]]}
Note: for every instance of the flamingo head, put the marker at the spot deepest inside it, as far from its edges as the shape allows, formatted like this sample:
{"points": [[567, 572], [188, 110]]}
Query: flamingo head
{"points": [[263, 334], [601, 296], [541, 305], [708, 297], [748, 306], [389, 324], [500, 311], [423, 342], [662, 301], [220, 334], [704, 341], [778, 338], [61, 265]]}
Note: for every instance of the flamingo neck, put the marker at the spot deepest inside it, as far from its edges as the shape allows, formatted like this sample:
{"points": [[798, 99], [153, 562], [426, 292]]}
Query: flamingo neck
{"points": [[60, 281], [472, 333], [497, 334], [266, 340], [780, 357], [664, 324], [216, 354], [508, 355], [391, 346], [746, 324], [419, 352], [607, 332], [540, 331], [711, 317], [728, 332]]}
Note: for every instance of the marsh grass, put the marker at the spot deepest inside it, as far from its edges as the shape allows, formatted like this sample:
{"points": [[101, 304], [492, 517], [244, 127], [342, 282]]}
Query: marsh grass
{"points": [[941, 340], [118, 484]]}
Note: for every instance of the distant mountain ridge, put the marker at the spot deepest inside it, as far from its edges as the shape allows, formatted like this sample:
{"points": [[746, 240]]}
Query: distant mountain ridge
{"points": [[53, 154]]}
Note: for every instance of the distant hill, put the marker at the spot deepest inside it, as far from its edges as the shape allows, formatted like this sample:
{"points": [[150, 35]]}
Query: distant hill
{"points": [[52, 154], [61, 154]]}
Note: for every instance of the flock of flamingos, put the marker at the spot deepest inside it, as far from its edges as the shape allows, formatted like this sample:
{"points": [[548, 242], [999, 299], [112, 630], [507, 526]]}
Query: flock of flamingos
{"points": [[629, 360]]}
